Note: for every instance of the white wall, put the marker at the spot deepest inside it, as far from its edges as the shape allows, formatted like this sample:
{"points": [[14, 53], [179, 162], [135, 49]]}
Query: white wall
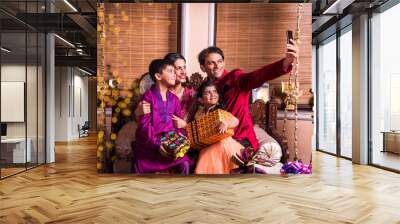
{"points": [[80, 100], [197, 32], [61, 103], [314, 89], [70, 83], [34, 125], [13, 73]]}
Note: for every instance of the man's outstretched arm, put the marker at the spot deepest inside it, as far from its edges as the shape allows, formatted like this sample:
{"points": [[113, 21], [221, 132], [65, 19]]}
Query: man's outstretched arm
{"points": [[255, 79]]}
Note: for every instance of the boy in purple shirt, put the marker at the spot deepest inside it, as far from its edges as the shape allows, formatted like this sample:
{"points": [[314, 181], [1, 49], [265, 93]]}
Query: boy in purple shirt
{"points": [[165, 106]]}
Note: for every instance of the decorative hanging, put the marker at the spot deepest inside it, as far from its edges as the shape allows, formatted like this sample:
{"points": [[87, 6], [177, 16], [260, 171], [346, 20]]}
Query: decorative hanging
{"points": [[293, 92], [114, 103]]}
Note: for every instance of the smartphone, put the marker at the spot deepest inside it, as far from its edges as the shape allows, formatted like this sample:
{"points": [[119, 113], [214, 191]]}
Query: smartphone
{"points": [[289, 35]]}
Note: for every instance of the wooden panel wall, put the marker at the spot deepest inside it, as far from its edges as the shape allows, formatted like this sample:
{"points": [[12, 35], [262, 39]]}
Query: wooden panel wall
{"points": [[136, 34], [254, 34]]}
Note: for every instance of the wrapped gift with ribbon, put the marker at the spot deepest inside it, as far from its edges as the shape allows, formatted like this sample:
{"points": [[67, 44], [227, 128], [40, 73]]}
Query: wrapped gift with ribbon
{"points": [[174, 144], [203, 131], [296, 167]]}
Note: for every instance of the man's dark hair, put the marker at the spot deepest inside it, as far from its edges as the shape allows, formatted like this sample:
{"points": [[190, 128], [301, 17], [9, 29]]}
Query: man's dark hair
{"points": [[157, 66], [204, 53], [172, 57]]}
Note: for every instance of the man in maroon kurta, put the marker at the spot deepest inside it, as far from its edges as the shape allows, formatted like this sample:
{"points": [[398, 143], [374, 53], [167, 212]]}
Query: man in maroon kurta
{"points": [[235, 86]]}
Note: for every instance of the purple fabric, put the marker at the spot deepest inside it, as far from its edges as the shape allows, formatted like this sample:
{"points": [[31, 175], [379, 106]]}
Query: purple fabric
{"points": [[187, 100], [147, 158]]}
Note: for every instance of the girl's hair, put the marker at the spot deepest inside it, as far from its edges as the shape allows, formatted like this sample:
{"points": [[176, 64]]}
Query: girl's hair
{"points": [[172, 57], [202, 88], [157, 66], [206, 83]]}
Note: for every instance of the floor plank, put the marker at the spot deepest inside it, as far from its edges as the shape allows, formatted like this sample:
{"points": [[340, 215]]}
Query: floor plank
{"points": [[71, 191]]}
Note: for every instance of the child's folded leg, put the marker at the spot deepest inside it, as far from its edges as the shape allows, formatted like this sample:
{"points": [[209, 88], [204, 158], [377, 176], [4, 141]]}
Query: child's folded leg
{"points": [[183, 167]]}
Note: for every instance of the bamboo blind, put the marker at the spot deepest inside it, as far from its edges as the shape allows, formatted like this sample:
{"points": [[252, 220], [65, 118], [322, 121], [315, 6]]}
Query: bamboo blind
{"points": [[253, 35], [136, 34]]}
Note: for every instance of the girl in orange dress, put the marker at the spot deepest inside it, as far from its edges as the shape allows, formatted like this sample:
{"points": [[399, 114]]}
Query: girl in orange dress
{"points": [[216, 158]]}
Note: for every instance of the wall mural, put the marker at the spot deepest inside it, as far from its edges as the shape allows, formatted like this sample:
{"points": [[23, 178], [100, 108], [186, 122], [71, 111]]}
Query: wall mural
{"points": [[155, 118]]}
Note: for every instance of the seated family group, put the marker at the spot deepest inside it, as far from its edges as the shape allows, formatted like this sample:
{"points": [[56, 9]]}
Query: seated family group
{"points": [[168, 106]]}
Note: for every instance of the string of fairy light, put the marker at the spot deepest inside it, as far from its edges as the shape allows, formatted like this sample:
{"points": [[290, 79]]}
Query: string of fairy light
{"points": [[115, 98]]}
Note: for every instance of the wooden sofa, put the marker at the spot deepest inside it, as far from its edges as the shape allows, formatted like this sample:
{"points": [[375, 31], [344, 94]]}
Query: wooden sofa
{"points": [[265, 115]]}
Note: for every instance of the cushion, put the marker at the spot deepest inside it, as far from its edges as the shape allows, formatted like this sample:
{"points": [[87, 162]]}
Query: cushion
{"points": [[263, 136], [270, 152], [125, 137]]}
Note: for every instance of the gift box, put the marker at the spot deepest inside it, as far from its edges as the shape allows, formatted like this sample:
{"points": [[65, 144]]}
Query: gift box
{"points": [[296, 167], [174, 144], [203, 132]]}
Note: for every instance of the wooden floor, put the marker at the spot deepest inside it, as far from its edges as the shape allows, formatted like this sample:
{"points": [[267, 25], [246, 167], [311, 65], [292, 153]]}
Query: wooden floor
{"points": [[10, 171], [70, 191], [386, 159]]}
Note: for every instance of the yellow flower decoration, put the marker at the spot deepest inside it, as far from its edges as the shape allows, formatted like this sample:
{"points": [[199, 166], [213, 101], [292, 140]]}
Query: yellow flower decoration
{"points": [[137, 91], [99, 166], [122, 105], [113, 136], [114, 120], [113, 102], [106, 99], [100, 134], [115, 92], [100, 148], [126, 112], [102, 105], [109, 145], [117, 110], [127, 100]]}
